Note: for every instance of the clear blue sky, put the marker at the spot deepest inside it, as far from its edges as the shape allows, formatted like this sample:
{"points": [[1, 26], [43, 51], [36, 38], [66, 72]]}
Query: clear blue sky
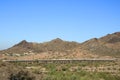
{"points": [[44, 20]]}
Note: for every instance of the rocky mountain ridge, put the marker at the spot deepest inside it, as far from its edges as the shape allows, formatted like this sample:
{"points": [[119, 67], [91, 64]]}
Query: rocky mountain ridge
{"points": [[106, 46]]}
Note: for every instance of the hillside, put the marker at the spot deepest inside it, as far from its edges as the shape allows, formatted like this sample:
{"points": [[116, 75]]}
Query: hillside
{"points": [[53, 45], [51, 49], [106, 46]]}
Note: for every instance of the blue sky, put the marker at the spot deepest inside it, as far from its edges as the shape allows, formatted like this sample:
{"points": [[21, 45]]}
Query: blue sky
{"points": [[44, 20]]}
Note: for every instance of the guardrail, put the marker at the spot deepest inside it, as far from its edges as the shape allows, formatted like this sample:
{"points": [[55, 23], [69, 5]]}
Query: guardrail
{"points": [[58, 60]]}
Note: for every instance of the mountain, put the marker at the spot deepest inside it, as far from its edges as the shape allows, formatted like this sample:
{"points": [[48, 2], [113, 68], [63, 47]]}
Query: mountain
{"points": [[50, 49], [106, 46], [21, 47], [54, 45]]}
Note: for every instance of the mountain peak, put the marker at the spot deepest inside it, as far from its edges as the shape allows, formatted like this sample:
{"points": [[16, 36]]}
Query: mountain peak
{"points": [[57, 40], [117, 33], [111, 38], [22, 43]]}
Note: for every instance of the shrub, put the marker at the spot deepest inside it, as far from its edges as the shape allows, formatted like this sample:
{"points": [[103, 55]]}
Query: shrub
{"points": [[21, 75]]}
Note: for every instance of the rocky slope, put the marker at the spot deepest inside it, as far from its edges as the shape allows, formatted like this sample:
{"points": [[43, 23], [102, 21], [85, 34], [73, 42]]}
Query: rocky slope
{"points": [[56, 48], [107, 46]]}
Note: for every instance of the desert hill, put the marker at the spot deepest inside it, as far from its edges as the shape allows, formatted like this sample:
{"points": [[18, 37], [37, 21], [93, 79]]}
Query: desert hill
{"points": [[106, 46], [53, 45], [56, 48]]}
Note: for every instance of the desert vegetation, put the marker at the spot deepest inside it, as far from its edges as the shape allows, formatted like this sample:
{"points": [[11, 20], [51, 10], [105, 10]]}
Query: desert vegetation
{"points": [[57, 71]]}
